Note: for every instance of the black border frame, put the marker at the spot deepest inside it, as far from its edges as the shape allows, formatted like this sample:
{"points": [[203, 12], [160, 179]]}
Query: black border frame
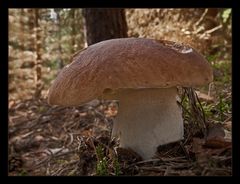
{"points": [[114, 4]]}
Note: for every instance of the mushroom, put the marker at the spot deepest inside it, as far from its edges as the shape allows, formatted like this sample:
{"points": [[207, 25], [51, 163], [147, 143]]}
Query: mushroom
{"points": [[143, 74]]}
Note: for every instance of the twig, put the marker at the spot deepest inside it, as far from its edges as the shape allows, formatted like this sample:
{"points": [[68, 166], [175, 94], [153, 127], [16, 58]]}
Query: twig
{"points": [[209, 88], [184, 150], [36, 166], [203, 114], [65, 153], [161, 160], [50, 158], [147, 161], [94, 147], [152, 169], [213, 29], [71, 140], [54, 173], [166, 171], [210, 31], [201, 18], [230, 117], [65, 168], [102, 116], [175, 159]]}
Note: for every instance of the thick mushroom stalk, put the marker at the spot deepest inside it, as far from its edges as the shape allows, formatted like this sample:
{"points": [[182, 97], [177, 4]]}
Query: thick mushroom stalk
{"points": [[148, 118]]}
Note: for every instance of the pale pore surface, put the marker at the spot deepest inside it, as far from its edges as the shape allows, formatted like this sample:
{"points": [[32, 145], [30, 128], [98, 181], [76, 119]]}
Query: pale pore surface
{"points": [[148, 118]]}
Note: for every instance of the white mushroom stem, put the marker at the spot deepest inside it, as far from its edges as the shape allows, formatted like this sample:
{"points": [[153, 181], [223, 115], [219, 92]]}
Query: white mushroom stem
{"points": [[148, 118]]}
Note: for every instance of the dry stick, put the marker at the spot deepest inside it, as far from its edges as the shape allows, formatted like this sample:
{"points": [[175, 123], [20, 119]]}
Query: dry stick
{"points": [[36, 121], [64, 153], [167, 167], [51, 157], [213, 29], [102, 116], [183, 166], [210, 86], [65, 168], [79, 143], [74, 170], [198, 30], [230, 117], [48, 169], [184, 150], [71, 140], [210, 31], [201, 18], [175, 159], [36, 166], [169, 151], [21, 126], [152, 169], [187, 139], [94, 147], [164, 167], [68, 126], [158, 160], [166, 171], [59, 171], [55, 172], [147, 161]]}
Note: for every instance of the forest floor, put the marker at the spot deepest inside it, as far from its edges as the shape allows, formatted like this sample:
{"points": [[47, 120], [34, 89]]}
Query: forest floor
{"points": [[50, 140]]}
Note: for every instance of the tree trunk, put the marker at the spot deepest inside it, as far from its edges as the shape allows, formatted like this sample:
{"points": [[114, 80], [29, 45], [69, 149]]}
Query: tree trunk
{"points": [[103, 24], [30, 42], [73, 32], [38, 64], [59, 35]]}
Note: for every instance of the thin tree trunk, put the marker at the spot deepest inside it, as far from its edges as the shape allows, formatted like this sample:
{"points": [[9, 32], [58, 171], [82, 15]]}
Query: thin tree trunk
{"points": [[73, 32], [22, 30], [30, 42], [103, 24], [61, 64], [38, 64]]}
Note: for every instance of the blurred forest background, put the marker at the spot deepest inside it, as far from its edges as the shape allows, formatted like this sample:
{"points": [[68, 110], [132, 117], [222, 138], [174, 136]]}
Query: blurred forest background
{"points": [[43, 41]]}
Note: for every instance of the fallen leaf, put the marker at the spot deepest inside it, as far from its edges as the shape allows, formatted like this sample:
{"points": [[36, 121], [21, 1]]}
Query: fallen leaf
{"points": [[217, 137]]}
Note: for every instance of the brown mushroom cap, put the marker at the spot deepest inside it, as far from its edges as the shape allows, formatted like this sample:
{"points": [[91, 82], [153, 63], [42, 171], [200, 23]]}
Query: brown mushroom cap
{"points": [[128, 63]]}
